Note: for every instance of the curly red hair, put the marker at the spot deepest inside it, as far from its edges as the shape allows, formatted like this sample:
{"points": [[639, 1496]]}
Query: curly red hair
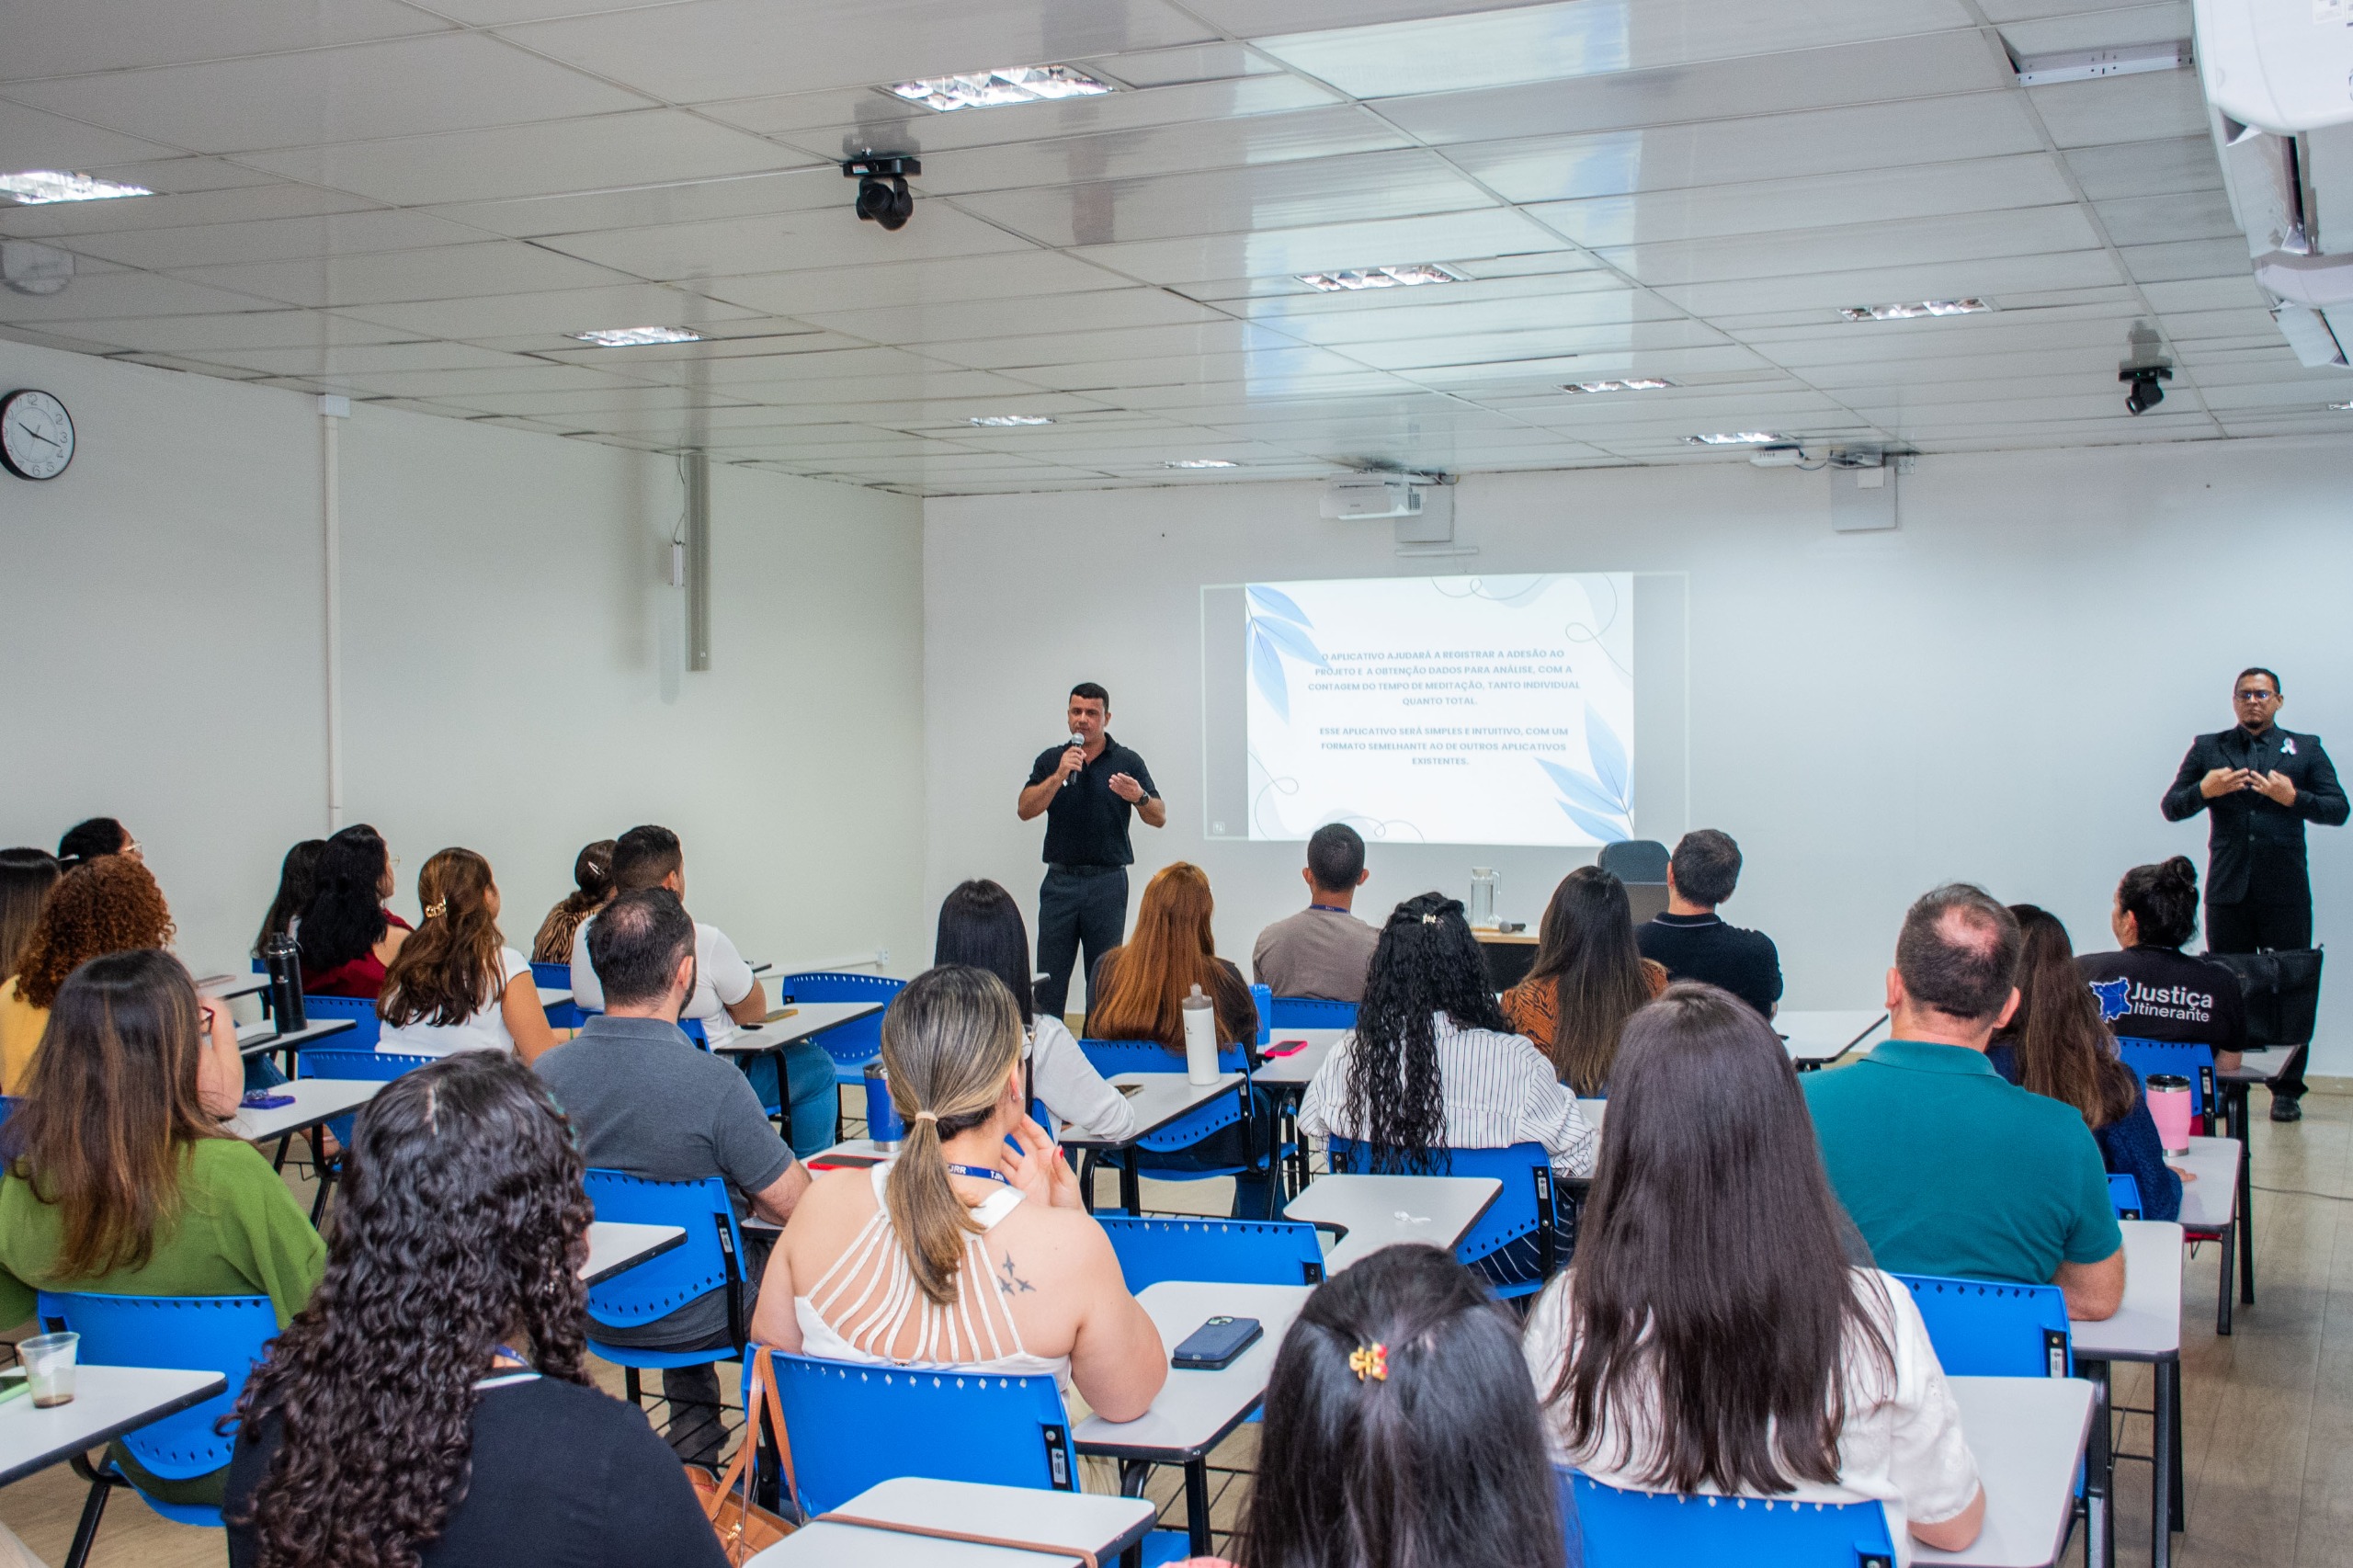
{"points": [[108, 905]]}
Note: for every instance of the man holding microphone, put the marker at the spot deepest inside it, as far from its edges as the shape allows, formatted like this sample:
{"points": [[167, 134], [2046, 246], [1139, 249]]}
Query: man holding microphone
{"points": [[1086, 789]]}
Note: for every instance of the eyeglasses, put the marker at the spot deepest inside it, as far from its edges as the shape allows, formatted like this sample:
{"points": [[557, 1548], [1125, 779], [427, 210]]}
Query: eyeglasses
{"points": [[2255, 696]]}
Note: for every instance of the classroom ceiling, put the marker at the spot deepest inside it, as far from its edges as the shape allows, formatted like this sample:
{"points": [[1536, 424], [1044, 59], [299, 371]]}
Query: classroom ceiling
{"points": [[414, 203]]}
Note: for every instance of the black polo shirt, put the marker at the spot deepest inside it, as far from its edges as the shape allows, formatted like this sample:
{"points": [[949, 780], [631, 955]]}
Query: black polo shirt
{"points": [[2169, 995], [1086, 824], [1700, 947]]}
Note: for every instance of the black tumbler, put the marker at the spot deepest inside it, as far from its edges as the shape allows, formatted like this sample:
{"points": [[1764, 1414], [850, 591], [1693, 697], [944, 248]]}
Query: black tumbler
{"points": [[283, 959]]}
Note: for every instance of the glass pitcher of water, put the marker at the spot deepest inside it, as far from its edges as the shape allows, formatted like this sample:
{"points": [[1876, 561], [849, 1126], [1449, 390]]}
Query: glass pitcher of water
{"points": [[1482, 898]]}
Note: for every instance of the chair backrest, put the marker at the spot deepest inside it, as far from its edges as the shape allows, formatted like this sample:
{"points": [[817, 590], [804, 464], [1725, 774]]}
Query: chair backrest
{"points": [[1224, 1252], [854, 1425], [228, 1334], [2195, 1063], [554, 976], [859, 1041], [1524, 1207], [709, 1260], [2124, 1196], [1111, 1056], [1981, 1328], [1312, 1013], [366, 1027], [1619, 1529], [1636, 860], [380, 1065]]}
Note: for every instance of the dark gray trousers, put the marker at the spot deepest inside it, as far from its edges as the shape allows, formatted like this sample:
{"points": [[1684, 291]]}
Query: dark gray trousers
{"points": [[1077, 905]]}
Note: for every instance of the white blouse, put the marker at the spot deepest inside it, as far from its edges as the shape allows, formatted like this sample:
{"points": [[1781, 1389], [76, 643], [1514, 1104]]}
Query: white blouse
{"points": [[1902, 1445], [1076, 1095], [485, 1031], [1496, 1092]]}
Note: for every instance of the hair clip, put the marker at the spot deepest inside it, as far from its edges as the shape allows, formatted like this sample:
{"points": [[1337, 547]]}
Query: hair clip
{"points": [[1429, 919], [1370, 1360], [437, 909]]}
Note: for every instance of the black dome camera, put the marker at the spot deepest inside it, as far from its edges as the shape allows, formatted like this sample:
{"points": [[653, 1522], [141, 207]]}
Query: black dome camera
{"points": [[882, 194], [2147, 383]]}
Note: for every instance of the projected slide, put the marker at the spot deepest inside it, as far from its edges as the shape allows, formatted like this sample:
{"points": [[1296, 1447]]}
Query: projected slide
{"points": [[1442, 709]]}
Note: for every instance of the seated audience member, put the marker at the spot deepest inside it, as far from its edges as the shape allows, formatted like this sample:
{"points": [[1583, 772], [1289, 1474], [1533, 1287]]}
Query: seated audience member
{"points": [[1321, 952], [433, 1404], [1432, 1065], [592, 882], [2170, 994], [455, 984], [121, 1179], [1945, 1168], [110, 904], [645, 1101], [297, 875], [1401, 1430], [26, 877], [981, 925], [88, 841], [1588, 978], [348, 938], [1712, 1336], [962, 1252], [1691, 943], [2056, 1046]]}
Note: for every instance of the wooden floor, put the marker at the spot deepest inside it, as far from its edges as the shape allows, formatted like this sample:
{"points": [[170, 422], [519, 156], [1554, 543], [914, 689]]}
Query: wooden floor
{"points": [[2268, 1440]]}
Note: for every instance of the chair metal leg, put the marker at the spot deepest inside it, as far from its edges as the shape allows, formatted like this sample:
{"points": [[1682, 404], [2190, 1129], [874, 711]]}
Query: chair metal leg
{"points": [[2100, 1473], [86, 1531], [2163, 1483], [2230, 1236], [630, 1383], [2177, 1505], [1197, 1506]]}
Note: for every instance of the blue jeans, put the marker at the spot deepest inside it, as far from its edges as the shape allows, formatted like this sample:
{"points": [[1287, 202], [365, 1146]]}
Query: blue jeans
{"points": [[808, 1094]]}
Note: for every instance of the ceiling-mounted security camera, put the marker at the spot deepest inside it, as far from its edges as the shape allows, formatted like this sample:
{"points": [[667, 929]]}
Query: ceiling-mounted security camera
{"points": [[2145, 368], [882, 194]]}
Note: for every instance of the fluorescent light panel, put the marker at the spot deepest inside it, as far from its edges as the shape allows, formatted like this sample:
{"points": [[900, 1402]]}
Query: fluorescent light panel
{"points": [[38, 188], [1006, 85], [2341, 407], [1633, 383], [1200, 463], [1910, 309], [636, 337], [1407, 277], [1000, 421], [1740, 438]]}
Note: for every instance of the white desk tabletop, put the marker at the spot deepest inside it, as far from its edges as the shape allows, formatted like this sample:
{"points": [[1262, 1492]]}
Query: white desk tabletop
{"points": [[1103, 1526], [1158, 1099], [801, 1021], [252, 1038], [1196, 1409], [554, 995], [1826, 1036], [1382, 1210], [2257, 1066], [1297, 1069], [2027, 1434], [107, 1401], [2213, 1201], [315, 1100], [226, 986], [832, 1546], [2147, 1327], [613, 1246]]}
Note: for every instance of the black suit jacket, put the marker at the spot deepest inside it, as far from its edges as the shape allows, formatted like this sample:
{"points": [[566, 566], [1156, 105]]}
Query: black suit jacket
{"points": [[2255, 848]]}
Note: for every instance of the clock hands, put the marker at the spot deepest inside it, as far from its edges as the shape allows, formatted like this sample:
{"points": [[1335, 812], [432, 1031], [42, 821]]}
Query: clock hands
{"points": [[44, 441]]}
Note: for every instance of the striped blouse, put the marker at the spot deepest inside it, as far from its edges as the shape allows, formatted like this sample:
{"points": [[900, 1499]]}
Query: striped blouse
{"points": [[1496, 1092]]}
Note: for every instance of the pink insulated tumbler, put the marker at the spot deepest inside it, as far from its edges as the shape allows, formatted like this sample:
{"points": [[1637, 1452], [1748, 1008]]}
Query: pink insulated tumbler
{"points": [[2169, 1108]]}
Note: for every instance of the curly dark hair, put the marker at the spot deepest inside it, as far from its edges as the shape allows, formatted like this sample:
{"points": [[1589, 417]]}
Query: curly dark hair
{"points": [[1426, 963], [461, 1228], [110, 904], [343, 917]]}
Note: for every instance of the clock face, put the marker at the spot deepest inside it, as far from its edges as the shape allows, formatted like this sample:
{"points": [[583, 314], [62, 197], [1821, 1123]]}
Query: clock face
{"points": [[35, 435]]}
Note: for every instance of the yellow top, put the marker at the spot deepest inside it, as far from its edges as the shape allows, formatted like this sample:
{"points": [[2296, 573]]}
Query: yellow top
{"points": [[21, 1024]]}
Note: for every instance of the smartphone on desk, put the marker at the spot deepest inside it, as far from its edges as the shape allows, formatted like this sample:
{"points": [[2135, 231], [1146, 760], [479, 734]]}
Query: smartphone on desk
{"points": [[1287, 1048], [1218, 1343], [265, 1099]]}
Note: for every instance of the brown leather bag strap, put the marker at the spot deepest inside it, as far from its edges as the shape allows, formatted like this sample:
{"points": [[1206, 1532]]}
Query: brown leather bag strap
{"points": [[762, 1394], [1076, 1554]]}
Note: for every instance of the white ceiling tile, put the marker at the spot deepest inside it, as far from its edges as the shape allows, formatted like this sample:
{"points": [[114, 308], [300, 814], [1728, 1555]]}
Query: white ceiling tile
{"points": [[1097, 310], [1240, 141], [2167, 166], [822, 237], [1451, 237], [115, 35], [1190, 63], [2186, 259], [564, 311], [274, 239], [844, 120], [2104, 28], [654, 206], [2206, 294], [2185, 215], [255, 329], [2147, 107], [33, 139], [245, 204], [1960, 238], [356, 357], [442, 272], [1830, 290], [120, 293]]}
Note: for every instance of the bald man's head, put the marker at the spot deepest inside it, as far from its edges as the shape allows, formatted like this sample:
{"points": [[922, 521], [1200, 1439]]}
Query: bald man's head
{"points": [[1959, 952]]}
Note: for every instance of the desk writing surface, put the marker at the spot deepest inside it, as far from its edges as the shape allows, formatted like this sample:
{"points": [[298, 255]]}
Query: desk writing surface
{"points": [[1376, 1211], [848, 1546], [255, 1038], [1299, 1068], [1824, 1036], [1194, 1409], [2213, 1201], [2257, 1066], [107, 1401], [1075, 1519], [614, 1246], [1159, 1099], [2147, 1327], [802, 1020], [315, 1100], [2027, 1434]]}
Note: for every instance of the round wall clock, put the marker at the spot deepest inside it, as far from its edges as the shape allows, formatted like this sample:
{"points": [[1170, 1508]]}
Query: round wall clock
{"points": [[35, 435]]}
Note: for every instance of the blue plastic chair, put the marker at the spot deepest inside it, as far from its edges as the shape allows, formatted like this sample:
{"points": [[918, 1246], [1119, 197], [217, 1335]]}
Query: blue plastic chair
{"points": [[558, 977], [229, 1335], [382, 1066], [1311, 1013], [1617, 1528], [366, 1027], [2124, 1196], [854, 1043], [1985, 1329], [1224, 1252], [2195, 1063], [1525, 1209], [1111, 1056], [710, 1258]]}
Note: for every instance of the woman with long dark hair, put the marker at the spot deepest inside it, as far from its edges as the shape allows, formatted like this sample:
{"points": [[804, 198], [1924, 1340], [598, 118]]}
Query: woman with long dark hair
{"points": [[432, 1404], [1711, 1336], [1586, 980], [2168, 994], [110, 904], [2056, 1045], [348, 938], [296, 876], [121, 1178], [26, 877], [592, 889], [981, 925], [455, 984], [1401, 1430], [1139, 988]]}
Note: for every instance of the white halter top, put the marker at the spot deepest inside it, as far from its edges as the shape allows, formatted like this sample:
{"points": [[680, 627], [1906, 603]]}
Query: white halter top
{"points": [[867, 1307]]}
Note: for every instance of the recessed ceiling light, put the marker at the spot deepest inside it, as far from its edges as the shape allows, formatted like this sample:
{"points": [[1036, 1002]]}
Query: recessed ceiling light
{"points": [[636, 337], [996, 421], [1199, 463], [35, 187], [2341, 407], [1381, 278], [1636, 383], [1006, 85], [1740, 438], [1914, 308]]}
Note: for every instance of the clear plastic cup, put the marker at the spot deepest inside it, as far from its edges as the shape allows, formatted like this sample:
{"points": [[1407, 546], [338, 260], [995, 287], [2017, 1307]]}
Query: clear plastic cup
{"points": [[48, 1366]]}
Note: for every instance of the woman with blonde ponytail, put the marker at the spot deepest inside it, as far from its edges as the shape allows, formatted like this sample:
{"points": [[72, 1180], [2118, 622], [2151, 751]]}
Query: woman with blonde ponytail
{"points": [[972, 1249], [455, 984]]}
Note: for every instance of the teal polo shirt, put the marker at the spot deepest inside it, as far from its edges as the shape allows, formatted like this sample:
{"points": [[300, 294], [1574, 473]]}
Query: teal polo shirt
{"points": [[1948, 1169]]}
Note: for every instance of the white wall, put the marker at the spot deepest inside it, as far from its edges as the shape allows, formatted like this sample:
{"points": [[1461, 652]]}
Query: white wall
{"points": [[512, 668], [2000, 690]]}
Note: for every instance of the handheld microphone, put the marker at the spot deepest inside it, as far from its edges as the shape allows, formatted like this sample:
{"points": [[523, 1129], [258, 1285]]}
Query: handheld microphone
{"points": [[1079, 743]]}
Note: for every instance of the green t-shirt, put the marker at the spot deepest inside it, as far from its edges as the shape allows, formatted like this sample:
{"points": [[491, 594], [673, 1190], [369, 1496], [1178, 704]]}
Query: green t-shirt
{"points": [[1948, 1169]]}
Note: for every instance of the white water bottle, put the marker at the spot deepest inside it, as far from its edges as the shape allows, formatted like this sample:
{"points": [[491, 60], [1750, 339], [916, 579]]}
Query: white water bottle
{"points": [[1200, 1038]]}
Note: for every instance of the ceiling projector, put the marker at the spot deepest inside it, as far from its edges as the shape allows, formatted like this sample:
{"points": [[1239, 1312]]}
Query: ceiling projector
{"points": [[2279, 65], [1367, 497]]}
